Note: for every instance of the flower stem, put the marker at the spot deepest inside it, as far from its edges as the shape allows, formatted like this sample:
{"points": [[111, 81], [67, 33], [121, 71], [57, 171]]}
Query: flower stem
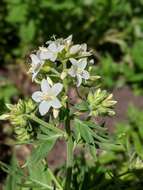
{"points": [[55, 180], [69, 161], [45, 124]]}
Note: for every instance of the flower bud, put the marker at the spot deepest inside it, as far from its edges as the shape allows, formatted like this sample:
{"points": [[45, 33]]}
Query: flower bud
{"points": [[49, 81], [55, 113], [101, 103], [63, 75], [18, 120]]}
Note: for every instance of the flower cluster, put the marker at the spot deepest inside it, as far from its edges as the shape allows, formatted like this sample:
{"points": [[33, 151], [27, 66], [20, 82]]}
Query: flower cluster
{"points": [[61, 50], [60, 59]]}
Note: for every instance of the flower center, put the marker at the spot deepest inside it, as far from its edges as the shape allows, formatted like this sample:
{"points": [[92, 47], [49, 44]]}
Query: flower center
{"points": [[48, 97], [77, 70]]}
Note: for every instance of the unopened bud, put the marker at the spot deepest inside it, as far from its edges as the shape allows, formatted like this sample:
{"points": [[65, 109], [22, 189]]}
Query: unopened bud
{"points": [[55, 113]]}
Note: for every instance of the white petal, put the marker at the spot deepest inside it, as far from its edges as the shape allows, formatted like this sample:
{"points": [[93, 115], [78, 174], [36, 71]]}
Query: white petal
{"points": [[44, 107], [34, 74], [47, 55], [37, 96], [68, 40], [82, 63], [83, 47], [55, 103], [79, 80], [45, 87], [85, 53], [52, 47], [44, 55], [60, 48], [57, 88], [74, 61], [72, 72], [74, 49], [35, 59], [85, 75], [42, 48], [35, 70], [53, 57]]}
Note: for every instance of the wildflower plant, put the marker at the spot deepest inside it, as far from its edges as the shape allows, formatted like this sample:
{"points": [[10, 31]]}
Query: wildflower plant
{"points": [[56, 68]]}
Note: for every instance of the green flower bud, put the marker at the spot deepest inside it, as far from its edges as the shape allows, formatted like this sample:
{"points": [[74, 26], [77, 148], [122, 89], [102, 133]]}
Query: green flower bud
{"points": [[22, 134], [18, 119], [101, 103]]}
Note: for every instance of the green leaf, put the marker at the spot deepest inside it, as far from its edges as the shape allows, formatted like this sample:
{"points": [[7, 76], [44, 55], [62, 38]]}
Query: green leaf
{"points": [[84, 131], [83, 106], [41, 151], [95, 126], [136, 53], [17, 14], [93, 151], [27, 31], [14, 175], [111, 146], [137, 144], [39, 176]]}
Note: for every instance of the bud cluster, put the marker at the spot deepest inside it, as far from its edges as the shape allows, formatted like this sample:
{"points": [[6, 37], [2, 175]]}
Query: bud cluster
{"points": [[18, 119], [101, 103]]}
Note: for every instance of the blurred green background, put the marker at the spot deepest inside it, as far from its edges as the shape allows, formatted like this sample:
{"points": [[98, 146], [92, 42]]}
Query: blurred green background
{"points": [[114, 28]]}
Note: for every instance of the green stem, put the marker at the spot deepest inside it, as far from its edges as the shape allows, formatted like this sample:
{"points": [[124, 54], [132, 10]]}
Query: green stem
{"points": [[45, 124], [69, 152], [55, 180], [69, 161]]}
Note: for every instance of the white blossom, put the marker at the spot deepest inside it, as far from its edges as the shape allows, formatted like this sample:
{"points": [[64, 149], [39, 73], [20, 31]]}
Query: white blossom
{"points": [[36, 65], [80, 49], [47, 97], [51, 52], [77, 70]]}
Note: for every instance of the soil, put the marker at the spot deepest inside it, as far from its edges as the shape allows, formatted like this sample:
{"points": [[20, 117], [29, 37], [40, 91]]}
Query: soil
{"points": [[124, 97]]}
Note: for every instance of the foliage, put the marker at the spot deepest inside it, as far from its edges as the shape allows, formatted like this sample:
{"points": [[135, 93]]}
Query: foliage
{"points": [[56, 68], [131, 133], [122, 169]]}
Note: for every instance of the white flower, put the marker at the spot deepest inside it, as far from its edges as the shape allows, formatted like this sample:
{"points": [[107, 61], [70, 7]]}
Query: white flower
{"points": [[47, 97], [51, 52], [80, 49], [77, 70], [36, 65]]}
